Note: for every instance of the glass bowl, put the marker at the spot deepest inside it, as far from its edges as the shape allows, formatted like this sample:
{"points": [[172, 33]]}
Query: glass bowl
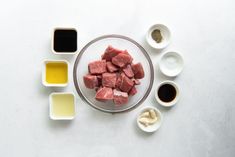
{"points": [[93, 51]]}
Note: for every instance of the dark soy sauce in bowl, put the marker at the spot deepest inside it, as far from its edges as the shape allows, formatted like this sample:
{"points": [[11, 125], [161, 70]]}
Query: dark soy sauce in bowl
{"points": [[65, 40], [166, 93]]}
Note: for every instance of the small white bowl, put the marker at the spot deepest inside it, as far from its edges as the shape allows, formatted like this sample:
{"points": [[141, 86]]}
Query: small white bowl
{"points": [[166, 36], [173, 102], [150, 128], [47, 84], [52, 41], [52, 100], [171, 64]]}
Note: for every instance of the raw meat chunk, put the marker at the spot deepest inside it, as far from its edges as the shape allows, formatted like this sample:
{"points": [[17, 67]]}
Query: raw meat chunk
{"points": [[110, 52], [119, 80], [126, 84], [120, 98], [128, 71], [109, 80], [122, 59], [138, 70], [133, 91], [97, 67], [126, 52], [104, 94], [90, 81], [111, 67]]}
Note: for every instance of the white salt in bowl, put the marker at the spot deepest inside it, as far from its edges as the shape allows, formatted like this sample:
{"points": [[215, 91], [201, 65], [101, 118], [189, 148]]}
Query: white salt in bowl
{"points": [[93, 51], [171, 64]]}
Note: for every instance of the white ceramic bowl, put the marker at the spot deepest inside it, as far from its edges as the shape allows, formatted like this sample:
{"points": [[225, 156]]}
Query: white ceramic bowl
{"points": [[51, 101], [173, 102], [166, 36], [171, 64], [44, 82], [155, 126], [52, 41]]}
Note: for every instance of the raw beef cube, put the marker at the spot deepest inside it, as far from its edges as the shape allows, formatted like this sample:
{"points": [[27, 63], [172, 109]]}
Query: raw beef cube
{"points": [[126, 52], [126, 84], [133, 91], [136, 81], [111, 67], [104, 94], [109, 80], [110, 52], [118, 81], [128, 71], [90, 81], [138, 70], [97, 67], [120, 98], [122, 59]]}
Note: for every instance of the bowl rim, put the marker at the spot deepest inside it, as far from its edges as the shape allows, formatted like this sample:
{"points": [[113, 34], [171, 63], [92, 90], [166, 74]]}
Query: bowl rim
{"points": [[119, 37]]}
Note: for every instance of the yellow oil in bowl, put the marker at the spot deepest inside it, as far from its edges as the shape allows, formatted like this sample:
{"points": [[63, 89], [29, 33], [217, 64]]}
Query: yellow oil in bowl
{"points": [[56, 72]]}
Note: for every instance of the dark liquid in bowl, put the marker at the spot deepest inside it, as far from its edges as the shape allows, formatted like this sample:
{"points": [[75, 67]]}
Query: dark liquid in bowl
{"points": [[65, 40], [167, 93]]}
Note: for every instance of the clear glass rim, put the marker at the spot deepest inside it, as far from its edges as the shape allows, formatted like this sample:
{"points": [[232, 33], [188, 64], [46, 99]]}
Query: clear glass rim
{"points": [[120, 37]]}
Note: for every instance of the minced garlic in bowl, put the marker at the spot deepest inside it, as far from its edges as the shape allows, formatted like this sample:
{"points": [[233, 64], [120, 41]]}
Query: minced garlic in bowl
{"points": [[149, 119]]}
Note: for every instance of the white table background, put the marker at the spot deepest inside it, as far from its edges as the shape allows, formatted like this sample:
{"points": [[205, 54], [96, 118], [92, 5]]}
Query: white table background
{"points": [[201, 124]]}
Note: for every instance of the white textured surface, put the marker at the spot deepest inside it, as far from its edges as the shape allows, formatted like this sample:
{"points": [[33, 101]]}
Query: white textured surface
{"points": [[201, 124]]}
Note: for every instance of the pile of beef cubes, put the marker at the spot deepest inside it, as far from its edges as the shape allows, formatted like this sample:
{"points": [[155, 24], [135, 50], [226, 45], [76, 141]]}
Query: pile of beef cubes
{"points": [[114, 77]]}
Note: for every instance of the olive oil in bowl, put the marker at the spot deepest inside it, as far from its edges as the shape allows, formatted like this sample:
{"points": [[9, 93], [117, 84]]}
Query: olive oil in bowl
{"points": [[55, 73]]}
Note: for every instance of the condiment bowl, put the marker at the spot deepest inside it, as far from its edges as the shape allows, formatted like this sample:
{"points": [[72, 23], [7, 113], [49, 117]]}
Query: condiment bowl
{"points": [[171, 64], [64, 38], [62, 106], [153, 127], [165, 33], [174, 101], [55, 73]]}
